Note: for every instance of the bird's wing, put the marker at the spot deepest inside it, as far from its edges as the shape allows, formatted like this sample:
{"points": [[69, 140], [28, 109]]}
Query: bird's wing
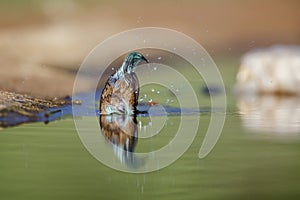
{"points": [[105, 97]]}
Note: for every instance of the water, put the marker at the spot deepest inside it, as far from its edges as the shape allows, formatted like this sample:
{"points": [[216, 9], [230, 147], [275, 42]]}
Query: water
{"points": [[52, 163], [250, 160]]}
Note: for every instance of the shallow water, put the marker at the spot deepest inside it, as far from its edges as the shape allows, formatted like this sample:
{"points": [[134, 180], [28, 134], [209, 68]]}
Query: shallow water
{"points": [[256, 157], [51, 162]]}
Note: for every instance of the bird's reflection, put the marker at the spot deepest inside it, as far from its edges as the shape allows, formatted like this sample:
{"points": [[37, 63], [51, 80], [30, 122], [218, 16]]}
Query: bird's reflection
{"points": [[122, 133]]}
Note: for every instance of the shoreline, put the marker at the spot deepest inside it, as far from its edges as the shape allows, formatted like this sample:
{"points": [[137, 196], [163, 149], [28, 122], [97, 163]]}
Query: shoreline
{"points": [[18, 108]]}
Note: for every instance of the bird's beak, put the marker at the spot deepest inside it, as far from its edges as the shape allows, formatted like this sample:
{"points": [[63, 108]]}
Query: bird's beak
{"points": [[145, 59]]}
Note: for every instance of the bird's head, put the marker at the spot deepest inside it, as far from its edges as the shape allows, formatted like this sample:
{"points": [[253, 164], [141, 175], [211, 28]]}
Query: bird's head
{"points": [[131, 61]]}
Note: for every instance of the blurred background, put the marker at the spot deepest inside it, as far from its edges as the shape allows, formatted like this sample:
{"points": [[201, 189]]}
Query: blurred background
{"points": [[44, 42]]}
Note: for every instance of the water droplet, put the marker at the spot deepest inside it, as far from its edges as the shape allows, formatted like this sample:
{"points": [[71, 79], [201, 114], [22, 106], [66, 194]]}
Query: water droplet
{"points": [[172, 85], [172, 101], [155, 68], [158, 92], [152, 90], [144, 41], [176, 90], [139, 19], [159, 58], [112, 68], [150, 100], [145, 95], [167, 101], [174, 48]]}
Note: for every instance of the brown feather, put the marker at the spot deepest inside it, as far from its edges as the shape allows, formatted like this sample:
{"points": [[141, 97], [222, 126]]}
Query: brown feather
{"points": [[124, 91]]}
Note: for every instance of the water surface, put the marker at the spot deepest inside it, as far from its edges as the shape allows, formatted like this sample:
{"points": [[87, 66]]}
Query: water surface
{"points": [[250, 160]]}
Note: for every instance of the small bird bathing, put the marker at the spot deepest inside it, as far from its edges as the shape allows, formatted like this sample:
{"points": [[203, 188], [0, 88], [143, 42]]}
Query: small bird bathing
{"points": [[121, 91]]}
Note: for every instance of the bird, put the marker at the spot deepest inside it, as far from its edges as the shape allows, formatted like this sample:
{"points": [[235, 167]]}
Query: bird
{"points": [[121, 90]]}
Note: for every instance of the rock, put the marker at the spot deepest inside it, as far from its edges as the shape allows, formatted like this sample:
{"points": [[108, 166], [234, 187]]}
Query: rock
{"points": [[211, 90], [274, 70]]}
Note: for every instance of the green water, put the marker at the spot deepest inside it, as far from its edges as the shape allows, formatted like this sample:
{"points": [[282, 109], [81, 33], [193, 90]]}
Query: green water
{"points": [[39, 161], [49, 162]]}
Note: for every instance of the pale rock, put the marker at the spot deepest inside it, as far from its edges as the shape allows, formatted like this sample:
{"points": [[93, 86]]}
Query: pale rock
{"points": [[274, 70]]}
